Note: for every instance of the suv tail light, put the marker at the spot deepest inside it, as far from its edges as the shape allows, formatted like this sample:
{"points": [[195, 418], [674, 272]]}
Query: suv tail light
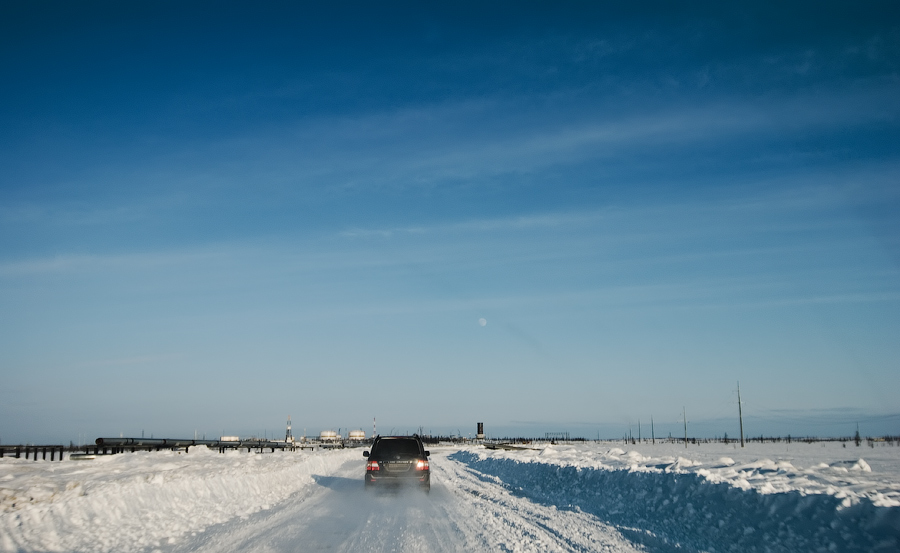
{"points": [[372, 465], [422, 465]]}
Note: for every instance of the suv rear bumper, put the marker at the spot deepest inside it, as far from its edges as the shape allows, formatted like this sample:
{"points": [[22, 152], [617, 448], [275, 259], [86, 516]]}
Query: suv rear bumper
{"points": [[410, 478]]}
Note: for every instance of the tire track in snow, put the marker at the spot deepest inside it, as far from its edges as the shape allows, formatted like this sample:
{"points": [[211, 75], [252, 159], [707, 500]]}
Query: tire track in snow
{"points": [[511, 523], [465, 511]]}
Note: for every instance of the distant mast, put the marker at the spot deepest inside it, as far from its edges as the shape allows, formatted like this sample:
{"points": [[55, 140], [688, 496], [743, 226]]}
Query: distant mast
{"points": [[740, 414]]}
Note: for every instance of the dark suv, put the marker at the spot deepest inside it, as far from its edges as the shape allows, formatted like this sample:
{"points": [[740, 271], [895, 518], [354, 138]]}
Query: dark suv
{"points": [[396, 460]]}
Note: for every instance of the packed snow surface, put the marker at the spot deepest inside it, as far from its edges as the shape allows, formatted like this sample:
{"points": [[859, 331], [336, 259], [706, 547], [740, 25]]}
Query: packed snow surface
{"points": [[583, 497]]}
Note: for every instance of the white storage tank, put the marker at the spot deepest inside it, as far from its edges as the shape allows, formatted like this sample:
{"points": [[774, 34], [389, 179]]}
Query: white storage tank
{"points": [[328, 436], [357, 435]]}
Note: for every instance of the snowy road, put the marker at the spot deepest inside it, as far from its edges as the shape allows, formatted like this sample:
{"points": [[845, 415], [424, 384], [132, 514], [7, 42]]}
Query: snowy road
{"points": [[465, 511], [570, 497]]}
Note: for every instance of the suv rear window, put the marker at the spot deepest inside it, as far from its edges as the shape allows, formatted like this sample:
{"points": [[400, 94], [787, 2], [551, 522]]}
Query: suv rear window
{"points": [[398, 447]]}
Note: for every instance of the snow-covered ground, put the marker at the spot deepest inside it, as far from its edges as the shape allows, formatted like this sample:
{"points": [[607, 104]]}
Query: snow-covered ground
{"points": [[717, 497], [585, 497]]}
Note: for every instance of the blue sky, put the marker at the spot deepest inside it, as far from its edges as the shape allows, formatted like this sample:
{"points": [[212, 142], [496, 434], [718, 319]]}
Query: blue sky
{"points": [[216, 215]]}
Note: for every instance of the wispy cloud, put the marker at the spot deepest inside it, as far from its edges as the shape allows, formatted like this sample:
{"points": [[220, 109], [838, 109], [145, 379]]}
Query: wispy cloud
{"points": [[812, 201], [523, 222], [472, 140], [81, 263], [134, 206], [72, 214]]}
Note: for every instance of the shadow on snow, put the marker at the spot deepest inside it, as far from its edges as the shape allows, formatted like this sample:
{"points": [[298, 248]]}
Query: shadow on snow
{"points": [[667, 511]]}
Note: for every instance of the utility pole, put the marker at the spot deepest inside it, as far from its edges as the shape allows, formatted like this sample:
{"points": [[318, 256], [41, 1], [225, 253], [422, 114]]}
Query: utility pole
{"points": [[740, 414], [639, 431], [684, 416], [652, 433]]}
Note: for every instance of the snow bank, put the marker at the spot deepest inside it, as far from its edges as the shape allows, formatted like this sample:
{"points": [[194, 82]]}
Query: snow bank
{"points": [[713, 503], [794, 498], [135, 501]]}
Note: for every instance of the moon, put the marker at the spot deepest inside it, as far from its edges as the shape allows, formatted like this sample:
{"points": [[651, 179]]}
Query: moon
{"points": [[482, 321]]}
